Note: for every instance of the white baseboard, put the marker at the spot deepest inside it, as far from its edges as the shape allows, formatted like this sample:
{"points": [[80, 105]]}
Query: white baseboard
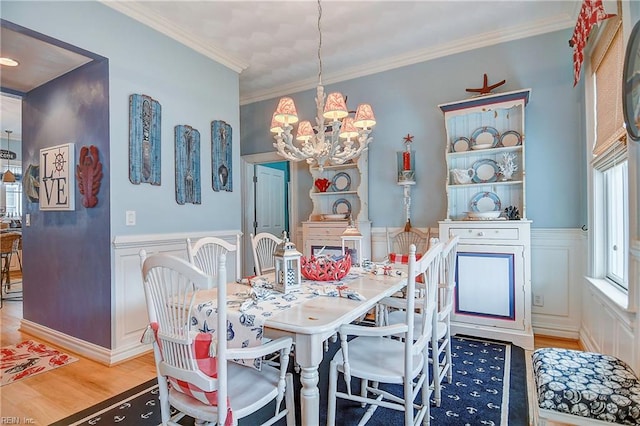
{"points": [[554, 332], [78, 346]]}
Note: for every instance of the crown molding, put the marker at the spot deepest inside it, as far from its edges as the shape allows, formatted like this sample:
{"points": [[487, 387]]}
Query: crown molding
{"points": [[422, 55], [166, 27]]}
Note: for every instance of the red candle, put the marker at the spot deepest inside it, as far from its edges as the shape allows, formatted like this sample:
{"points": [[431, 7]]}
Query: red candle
{"points": [[406, 160]]}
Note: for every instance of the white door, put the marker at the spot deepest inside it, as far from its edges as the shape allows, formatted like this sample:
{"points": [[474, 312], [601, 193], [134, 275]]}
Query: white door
{"points": [[270, 200]]}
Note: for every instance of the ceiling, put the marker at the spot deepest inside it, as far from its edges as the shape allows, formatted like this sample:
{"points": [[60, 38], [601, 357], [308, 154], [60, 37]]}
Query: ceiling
{"points": [[274, 44]]}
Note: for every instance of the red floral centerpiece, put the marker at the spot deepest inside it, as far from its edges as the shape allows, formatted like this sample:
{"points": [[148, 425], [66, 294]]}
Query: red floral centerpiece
{"points": [[324, 268]]}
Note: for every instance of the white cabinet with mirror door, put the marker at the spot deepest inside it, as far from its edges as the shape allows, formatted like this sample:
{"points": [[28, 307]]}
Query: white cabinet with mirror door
{"points": [[486, 207]]}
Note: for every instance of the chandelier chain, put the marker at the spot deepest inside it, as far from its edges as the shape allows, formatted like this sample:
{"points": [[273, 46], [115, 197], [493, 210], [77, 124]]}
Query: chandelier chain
{"points": [[319, 43]]}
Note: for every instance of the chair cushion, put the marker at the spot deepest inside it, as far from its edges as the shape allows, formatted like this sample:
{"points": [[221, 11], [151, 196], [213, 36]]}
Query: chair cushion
{"points": [[206, 363], [404, 259], [587, 384]]}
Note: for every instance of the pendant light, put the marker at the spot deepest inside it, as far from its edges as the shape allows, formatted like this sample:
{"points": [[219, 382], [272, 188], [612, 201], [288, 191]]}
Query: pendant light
{"points": [[8, 176], [336, 138]]}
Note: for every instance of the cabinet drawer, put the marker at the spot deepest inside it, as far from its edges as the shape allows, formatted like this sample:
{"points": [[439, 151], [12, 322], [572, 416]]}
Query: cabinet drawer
{"points": [[485, 233], [325, 231]]}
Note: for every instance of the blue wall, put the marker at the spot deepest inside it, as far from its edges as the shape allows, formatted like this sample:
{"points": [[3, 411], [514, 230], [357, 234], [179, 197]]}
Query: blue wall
{"points": [[67, 268], [74, 255], [406, 100], [191, 89]]}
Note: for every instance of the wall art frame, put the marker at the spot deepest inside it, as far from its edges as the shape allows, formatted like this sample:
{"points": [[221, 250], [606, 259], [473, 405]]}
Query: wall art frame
{"points": [[144, 139], [221, 156], [187, 152], [631, 84], [57, 180]]}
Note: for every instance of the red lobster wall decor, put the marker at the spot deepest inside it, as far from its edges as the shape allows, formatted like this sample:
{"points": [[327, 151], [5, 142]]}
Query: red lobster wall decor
{"points": [[89, 174]]}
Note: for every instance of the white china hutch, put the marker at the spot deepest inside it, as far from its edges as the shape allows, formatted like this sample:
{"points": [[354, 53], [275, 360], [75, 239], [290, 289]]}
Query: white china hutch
{"points": [[347, 196], [485, 158]]}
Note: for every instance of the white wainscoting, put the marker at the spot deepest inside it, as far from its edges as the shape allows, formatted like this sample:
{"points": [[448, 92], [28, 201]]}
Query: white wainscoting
{"points": [[558, 265], [128, 306], [610, 327], [129, 311]]}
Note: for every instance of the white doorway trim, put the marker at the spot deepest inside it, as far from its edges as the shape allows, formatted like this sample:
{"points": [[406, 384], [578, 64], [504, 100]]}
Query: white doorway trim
{"points": [[248, 161]]}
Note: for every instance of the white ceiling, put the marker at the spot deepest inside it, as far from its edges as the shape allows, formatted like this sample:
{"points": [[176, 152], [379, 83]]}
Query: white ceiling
{"points": [[274, 44]]}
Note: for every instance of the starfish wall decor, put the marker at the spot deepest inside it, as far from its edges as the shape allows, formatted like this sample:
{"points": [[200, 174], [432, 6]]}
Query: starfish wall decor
{"points": [[486, 88]]}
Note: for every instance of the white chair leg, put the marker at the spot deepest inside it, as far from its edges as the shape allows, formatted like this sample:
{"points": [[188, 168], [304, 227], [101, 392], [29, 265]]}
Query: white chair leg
{"points": [[289, 401], [435, 365], [363, 391]]}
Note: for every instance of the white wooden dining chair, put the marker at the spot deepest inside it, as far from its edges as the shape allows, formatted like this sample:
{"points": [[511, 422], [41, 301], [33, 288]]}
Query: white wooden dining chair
{"points": [[376, 356], [441, 340], [204, 253], [207, 388], [263, 245], [398, 242]]}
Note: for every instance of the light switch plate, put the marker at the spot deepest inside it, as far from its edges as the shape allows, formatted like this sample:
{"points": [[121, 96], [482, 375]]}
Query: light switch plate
{"points": [[27, 219], [131, 217]]}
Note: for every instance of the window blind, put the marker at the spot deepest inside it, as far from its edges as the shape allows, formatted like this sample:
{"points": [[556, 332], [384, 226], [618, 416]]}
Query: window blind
{"points": [[607, 61]]}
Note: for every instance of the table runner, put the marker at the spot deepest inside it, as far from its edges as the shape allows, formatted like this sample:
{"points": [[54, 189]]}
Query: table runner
{"points": [[247, 310]]}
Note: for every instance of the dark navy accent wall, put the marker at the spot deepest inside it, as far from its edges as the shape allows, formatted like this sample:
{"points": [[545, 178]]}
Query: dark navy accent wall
{"points": [[67, 261]]}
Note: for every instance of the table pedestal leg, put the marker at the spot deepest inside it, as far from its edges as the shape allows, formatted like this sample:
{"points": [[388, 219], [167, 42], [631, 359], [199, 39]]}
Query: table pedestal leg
{"points": [[310, 396], [309, 355]]}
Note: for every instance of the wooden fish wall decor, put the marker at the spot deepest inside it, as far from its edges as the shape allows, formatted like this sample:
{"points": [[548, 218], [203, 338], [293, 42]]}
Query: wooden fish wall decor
{"points": [[221, 166], [144, 140], [31, 183], [89, 175], [187, 151]]}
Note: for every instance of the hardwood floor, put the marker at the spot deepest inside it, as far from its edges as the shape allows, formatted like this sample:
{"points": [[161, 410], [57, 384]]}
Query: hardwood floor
{"points": [[54, 395]]}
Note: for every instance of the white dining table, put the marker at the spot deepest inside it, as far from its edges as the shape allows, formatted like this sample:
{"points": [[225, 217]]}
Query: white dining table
{"points": [[312, 322]]}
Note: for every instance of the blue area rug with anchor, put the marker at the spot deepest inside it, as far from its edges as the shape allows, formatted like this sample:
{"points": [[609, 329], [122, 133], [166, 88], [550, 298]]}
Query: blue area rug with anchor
{"points": [[488, 388]]}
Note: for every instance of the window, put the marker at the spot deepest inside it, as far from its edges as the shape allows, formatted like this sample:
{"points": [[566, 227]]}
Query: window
{"points": [[615, 190], [610, 195]]}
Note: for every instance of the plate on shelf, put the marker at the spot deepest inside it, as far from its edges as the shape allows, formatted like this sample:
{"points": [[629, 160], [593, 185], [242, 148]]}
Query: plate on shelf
{"points": [[487, 137], [340, 216], [485, 202], [511, 138], [461, 144], [342, 206], [341, 182], [486, 171]]}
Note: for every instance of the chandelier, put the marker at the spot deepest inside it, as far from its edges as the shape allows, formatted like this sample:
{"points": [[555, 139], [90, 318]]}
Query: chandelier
{"points": [[8, 176], [336, 138]]}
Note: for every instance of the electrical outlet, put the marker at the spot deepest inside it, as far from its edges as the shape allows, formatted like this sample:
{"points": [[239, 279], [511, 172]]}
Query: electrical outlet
{"points": [[131, 217], [538, 300]]}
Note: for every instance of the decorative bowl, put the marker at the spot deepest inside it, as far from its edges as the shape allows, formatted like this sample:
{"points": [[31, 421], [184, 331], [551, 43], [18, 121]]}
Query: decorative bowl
{"points": [[325, 268]]}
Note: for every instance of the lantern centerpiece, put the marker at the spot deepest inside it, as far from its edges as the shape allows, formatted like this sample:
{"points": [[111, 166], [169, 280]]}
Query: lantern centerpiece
{"points": [[287, 263]]}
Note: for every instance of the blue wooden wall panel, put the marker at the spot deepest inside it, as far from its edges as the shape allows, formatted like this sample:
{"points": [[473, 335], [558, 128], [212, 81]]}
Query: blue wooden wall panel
{"points": [[144, 139], [221, 170], [187, 152]]}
